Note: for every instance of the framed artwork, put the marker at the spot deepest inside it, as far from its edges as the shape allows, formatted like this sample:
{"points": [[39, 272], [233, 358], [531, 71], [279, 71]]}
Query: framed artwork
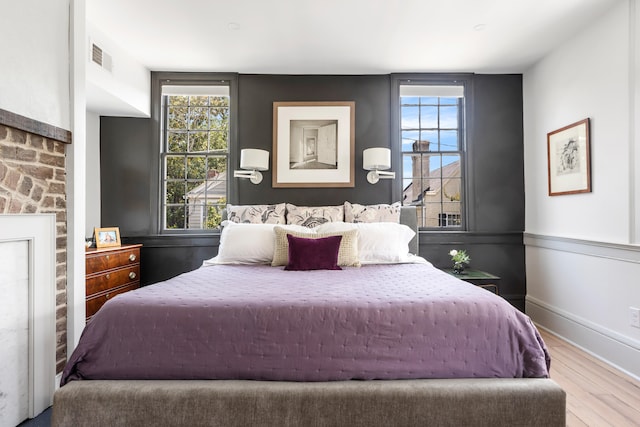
{"points": [[568, 159], [313, 144], [107, 237]]}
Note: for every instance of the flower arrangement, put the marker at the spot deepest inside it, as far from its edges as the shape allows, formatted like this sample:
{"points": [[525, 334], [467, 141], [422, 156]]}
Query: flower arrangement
{"points": [[460, 259]]}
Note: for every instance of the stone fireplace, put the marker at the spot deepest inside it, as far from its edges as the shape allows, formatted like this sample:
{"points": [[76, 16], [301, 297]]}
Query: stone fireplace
{"points": [[33, 181]]}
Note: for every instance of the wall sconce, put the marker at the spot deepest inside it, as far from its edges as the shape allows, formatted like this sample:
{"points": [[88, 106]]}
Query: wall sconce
{"points": [[376, 160], [254, 161]]}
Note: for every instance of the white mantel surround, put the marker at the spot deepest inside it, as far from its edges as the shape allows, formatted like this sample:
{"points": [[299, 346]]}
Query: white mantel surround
{"points": [[28, 242]]}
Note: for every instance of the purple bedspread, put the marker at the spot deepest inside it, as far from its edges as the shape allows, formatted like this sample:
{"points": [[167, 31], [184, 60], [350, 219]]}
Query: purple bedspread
{"points": [[260, 322]]}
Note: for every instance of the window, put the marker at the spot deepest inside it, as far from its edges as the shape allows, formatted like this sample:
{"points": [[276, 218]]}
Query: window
{"points": [[432, 141], [448, 220], [194, 155]]}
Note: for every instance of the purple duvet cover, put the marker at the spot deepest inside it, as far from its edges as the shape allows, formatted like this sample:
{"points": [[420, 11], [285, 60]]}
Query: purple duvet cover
{"points": [[260, 322]]}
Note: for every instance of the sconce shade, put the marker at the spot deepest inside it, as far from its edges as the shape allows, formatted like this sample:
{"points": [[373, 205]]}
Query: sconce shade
{"points": [[376, 159], [254, 159]]}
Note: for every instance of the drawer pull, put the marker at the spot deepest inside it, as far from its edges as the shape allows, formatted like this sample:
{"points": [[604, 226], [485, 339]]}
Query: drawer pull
{"points": [[132, 257], [107, 296], [107, 257], [108, 276], [132, 275]]}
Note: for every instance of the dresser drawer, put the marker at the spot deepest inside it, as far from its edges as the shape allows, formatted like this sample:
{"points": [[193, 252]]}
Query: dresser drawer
{"points": [[96, 262], [112, 279], [94, 304], [109, 272]]}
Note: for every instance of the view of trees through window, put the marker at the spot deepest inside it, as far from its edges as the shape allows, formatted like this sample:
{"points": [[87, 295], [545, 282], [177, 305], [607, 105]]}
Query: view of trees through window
{"points": [[194, 160], [431, 126]]}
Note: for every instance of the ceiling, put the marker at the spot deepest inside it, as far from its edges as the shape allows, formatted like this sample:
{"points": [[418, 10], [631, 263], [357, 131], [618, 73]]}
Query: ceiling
{"points": [[341, 36], [334, 36]]}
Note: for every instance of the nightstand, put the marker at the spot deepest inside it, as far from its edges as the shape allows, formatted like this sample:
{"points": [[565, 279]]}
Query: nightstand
{"points": [[479, 278], [110, 271]]}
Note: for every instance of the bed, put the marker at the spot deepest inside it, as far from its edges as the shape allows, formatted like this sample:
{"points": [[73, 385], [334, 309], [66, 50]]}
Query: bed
{"points": [[382, 339]]}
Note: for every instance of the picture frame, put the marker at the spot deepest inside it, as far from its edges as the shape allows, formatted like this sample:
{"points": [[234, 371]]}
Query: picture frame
{"points": [[569, 159], [107, 237], [313, 144]]}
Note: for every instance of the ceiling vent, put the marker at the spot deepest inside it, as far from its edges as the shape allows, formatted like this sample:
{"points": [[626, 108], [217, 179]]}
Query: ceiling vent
{"points": [[100, 57]]}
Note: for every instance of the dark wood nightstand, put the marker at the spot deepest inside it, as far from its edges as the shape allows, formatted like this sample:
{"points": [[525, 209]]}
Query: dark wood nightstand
{"points": [[110, 271], [479, 278]]}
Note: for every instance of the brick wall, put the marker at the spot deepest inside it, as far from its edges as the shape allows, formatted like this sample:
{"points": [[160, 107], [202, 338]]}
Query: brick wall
{"points": [[33, 180]]}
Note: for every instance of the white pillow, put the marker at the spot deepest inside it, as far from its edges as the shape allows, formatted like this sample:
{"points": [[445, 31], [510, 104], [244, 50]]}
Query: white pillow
{"points": [[378, 242], [247, 243]]}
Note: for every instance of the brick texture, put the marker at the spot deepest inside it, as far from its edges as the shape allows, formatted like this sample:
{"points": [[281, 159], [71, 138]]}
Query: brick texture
{"points": [[32, 180]]}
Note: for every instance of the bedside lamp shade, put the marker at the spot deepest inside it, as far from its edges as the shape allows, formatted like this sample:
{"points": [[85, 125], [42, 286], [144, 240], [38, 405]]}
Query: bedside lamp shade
{"points": [[375, 160], [253, 161]]}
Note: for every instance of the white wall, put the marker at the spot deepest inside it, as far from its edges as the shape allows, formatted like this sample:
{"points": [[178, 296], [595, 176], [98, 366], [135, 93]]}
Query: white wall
{"points": [[29, 39], [93, 217], [125, 90], [582, 263]]}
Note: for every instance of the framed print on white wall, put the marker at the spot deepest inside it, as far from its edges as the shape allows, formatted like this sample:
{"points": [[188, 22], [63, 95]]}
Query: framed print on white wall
{"points": [[313, 144], [568, 159]]}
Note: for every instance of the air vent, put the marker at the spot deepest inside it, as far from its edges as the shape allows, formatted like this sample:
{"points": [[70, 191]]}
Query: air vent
{"points": [[96, 54], [103, 59]]}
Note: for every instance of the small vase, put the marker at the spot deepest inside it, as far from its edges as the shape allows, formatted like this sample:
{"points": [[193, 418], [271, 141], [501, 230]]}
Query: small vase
{"points": [[458, 267]]}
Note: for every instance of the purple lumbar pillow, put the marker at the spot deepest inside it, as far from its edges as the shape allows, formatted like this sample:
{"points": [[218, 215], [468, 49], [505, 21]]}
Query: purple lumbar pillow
{"points": [[313, 254]]}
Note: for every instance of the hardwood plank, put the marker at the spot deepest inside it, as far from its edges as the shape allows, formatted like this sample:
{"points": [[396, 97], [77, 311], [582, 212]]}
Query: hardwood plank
{"points": [[577, 398], [574, 421], [598, 375], [597, 393], [593, 378], [631, 415]]}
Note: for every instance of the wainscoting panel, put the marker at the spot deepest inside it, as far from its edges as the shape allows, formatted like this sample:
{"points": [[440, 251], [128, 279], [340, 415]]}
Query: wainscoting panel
{"points": [[602, 343], [166, 256], [583, 290]]}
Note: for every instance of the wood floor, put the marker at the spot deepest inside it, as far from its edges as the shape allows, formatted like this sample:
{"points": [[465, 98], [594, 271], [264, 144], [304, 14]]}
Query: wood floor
{"points": [[597, 394]]}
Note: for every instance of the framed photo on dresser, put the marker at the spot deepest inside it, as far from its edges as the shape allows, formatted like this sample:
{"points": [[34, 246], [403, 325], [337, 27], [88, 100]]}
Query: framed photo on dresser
{"points": [[107, 237]]}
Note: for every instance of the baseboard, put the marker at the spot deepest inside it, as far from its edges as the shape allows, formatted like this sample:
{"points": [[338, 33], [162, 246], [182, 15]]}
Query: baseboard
{"points": [[604, 344]]}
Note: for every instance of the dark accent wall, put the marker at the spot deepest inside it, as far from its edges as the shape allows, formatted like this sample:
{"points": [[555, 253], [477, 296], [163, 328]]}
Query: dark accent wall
{"points": [[495, 154], [125, 179], [256, 95], [495, 172]]}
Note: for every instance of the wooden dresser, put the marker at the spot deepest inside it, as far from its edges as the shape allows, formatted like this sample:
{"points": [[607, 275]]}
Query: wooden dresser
{"points": [[110, 271]]}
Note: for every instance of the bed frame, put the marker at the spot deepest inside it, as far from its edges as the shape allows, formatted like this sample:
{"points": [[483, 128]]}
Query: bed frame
{"points": [[440, 402], [461, 402]]}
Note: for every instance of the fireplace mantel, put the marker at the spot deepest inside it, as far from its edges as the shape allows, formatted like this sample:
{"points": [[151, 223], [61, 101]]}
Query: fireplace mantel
{"points": [[39, 230], [16, 121]]}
